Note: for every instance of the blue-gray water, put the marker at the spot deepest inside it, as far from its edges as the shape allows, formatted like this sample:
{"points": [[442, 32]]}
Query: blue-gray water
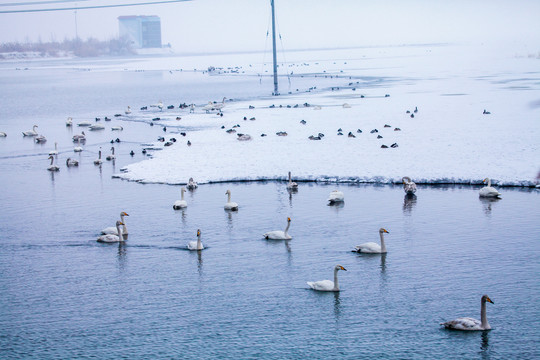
{"points": [[63, 295]]}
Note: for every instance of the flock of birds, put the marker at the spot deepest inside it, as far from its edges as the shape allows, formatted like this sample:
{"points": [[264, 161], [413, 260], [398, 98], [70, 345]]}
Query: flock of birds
{"points": [[119, 232]]}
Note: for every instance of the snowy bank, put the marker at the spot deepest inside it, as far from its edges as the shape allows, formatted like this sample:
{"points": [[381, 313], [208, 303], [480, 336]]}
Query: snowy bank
{"points": [[449, 139]]}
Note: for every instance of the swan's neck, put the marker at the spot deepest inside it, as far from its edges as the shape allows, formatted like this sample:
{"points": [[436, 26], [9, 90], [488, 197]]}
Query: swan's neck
{"points": [[483, 316], [112, 149], [124, 227], [182, 198], [287, 228], [488, 184], [290, 179], [228, 197], [99, 155], [119, 232], [199, 244], [383, 246], [336, 283]]}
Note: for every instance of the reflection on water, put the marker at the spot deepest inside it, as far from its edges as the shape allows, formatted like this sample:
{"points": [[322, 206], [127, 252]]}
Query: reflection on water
{"points": [[122, 255], [409, 201], [487, 204], [337, 305]]}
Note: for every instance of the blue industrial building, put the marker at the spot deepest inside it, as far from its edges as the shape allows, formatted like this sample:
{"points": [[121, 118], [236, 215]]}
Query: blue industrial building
{"points": [[142, 31]]}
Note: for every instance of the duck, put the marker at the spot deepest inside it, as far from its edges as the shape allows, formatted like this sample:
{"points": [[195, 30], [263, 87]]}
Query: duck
{"points": [[116, 128], [32, 132], [98, 160], [196, 245], [113, 230], [470, 324], [192, 185], [110, 238], [55, 151], [336, 196], [408, 185], [2, 134], [327, 285], [371, 247], [489, 191], [52, 166], [71, 162], [111, 156], [230, 205], [180, 204], [278, 234], [291, 185]]}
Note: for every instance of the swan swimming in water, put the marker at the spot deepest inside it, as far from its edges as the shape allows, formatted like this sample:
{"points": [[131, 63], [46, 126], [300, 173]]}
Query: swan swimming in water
{"points": [[192, 185], [98, 160], [230, 205], [196, 245], [2, 134], [371, 247], [69, 121], [327, 285], [55, 151], [489, 191], [408, 185], [336, 196], [291, 185], [113, 230], [32, 132], [180, 204], [79, 137], [71, 162], [110, 238], [112, 156], [467, 323], [52, 167], [278, 234]]}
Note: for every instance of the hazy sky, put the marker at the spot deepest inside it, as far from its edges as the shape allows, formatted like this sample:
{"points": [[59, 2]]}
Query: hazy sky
{"points": [[233, 25]]}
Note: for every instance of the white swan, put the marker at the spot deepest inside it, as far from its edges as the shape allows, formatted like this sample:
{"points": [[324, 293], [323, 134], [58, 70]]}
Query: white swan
{"points": [[32, 132], [78, 148], [113, 230], [84, 123], [408, 185], [278, 234], [69, 121], [220, 105], [2, 134], [230, 205], [98, 160], [466, 323], [79, 137], [335, 197], [40, 139], [489, 191], [196, 245], [96, 127], [327, 285], [371, 247], [112, 156], [192, 185], [52, 167], [128, 110], [55, 151], [110, 238], [180, 204], [291, 185], [71, 162]]}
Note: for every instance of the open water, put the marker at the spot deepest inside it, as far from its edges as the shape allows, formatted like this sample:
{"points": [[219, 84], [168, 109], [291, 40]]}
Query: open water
{"points": [[63, 295]]}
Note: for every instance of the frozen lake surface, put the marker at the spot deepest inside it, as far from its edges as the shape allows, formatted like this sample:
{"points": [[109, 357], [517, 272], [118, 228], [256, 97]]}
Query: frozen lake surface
{"points": [[63, 295]]}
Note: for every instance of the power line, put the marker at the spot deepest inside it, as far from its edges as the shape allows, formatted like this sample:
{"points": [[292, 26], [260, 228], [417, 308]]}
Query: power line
{"points": [[40, 2], [90, 7]]}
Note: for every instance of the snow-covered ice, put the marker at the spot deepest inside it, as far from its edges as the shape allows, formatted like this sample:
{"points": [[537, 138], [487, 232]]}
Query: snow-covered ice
{"points": [[449, 140]]}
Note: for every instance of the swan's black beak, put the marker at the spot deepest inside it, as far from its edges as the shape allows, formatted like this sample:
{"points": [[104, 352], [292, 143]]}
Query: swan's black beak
{"points": [[488, 299]]}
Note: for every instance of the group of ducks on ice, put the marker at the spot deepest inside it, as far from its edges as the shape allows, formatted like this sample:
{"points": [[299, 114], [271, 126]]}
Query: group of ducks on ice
{"points": [[119, 233]]}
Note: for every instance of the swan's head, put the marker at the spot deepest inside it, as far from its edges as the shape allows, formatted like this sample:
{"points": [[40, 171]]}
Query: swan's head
{"points": [[198, 232], [288, 219], [124, 213], [382, 230], [119, 223], [51, 157], [339, 267], [486, 298], [228, 192], [485, 180], [183, 189]]}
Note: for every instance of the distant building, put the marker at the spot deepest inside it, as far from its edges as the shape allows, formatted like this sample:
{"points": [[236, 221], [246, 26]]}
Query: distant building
{"points": [[142, 31]]}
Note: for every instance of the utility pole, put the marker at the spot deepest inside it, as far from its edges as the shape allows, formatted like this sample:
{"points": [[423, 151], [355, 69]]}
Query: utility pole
{"points": [[76, 30], [276, 92]]}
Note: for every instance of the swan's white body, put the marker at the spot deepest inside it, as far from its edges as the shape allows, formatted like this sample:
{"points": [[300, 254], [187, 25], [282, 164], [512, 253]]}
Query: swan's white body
{"points": [[2, 134], [291, 185], [408, 185], [230, 205], [180, 204], [371, 247], [159, 105], [97, 127], [470, 324], [196, 245], [192, 185], [78, 148], [55, 151], [69, 121], [84, 123], [336, 196], [327, 285], [98, 160], [71, 162], [110, 238], [79, 137], [32, 132], [113, 230], [489, 191], [278, 234], [220, 105], [112, 156], [52, 167], [118, 128], [40, 139], [128, 110]]}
